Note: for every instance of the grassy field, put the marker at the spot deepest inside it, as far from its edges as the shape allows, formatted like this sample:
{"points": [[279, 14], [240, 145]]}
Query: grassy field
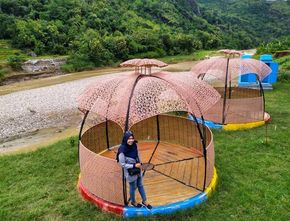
{"points": [[253, 174], [198, 55], [6, 51]]}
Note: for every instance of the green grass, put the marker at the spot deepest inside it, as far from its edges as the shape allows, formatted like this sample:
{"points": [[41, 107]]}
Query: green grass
{"points": [[284, 68], [284, 62], [6, 50], [253, 177], [198, 55]]}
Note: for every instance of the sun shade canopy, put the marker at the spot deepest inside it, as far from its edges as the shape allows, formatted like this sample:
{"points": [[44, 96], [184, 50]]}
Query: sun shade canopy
{"points": [[129, 98], [137, 62], [217, 67], [231, 52]]}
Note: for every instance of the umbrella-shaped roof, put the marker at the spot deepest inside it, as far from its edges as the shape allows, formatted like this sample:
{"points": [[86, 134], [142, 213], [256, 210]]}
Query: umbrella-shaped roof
{"points": [[217, 67], [145, 62], [139, 96], [231, 52]]}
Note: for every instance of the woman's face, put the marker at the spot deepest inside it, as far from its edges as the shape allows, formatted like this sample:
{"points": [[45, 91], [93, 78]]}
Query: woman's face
{"points": [[130, 141]]}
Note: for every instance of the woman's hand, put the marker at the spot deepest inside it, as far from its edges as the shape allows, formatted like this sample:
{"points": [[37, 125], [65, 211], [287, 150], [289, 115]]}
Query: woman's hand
{"points": [[138, 165]]}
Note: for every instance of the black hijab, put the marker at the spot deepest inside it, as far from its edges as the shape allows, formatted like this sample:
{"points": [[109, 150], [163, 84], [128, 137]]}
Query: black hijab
{"points": [[128, 150]]}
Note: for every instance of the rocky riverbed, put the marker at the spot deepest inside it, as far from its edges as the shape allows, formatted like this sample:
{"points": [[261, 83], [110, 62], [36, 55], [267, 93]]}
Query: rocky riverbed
{"points": [[30, 118], [27, 113]]}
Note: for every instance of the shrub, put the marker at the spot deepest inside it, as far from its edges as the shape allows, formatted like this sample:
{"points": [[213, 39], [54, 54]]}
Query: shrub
{"points": [[68, 68], [15, 62], [78, 62], [284, 76]]}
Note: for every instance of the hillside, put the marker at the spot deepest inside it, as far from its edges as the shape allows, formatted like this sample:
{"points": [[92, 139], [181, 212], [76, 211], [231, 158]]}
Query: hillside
{"points": [[99, 32], [248, 22]]}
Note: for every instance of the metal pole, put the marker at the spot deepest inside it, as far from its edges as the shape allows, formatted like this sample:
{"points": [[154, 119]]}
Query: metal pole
{"points": [[129, 103], [262, 94], [204, 153], [230, 89], [198, 127], [158, 140], [202, 135], [124, 188], [200, 132], [225, 92], [80, 133], [126, 128], [107, 134]]}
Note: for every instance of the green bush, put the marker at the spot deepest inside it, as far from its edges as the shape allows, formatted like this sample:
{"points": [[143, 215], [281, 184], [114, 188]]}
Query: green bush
{"points": [[284, 76], [68, 68], [15, 62], [151, 54], [78, 62], [284, 62], [279, 44]]}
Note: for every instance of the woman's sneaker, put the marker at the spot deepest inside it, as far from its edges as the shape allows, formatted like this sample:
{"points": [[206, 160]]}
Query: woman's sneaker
{"points": [[137, 205], [148, 206]]}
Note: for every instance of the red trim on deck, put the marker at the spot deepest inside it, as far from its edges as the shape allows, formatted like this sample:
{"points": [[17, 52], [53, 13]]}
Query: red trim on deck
{"points": [[102, 204]]}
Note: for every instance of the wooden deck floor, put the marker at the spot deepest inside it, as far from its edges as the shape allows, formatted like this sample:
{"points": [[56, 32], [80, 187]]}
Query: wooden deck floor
{"points": [[160, 188]]}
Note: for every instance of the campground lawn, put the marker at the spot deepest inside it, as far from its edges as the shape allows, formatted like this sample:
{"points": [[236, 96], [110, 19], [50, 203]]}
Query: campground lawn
{"points": [[254, 176]]}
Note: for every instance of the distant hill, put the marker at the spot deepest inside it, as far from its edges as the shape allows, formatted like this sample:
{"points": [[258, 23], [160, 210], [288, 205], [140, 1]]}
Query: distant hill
{"points": [[97, 32], [250, 22]]}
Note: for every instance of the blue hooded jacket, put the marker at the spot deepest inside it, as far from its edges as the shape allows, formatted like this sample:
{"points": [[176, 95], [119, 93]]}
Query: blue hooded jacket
{"points": [[128, 150]]}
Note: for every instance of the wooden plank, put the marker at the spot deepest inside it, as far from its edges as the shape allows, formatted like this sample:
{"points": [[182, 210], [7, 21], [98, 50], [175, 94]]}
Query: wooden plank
{"points": [[162, 190], [187, 172], [201, 173], [181, 170], [194, 172]]}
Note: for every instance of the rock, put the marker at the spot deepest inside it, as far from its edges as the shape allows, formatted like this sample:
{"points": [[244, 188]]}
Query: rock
{"points": [[33, 54], [50, 65], [31, 111]]}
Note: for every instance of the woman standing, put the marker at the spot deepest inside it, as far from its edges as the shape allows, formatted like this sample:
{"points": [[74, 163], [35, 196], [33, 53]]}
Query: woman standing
{"points": [[129, 159]]}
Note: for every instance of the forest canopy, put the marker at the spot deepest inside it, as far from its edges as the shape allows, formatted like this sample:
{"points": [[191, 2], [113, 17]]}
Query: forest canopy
{"points": [[99, 32]]}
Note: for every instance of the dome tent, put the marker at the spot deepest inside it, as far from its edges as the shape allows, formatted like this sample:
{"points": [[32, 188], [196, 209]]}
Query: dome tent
{"points": [[140, 102], [238, 108]]}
